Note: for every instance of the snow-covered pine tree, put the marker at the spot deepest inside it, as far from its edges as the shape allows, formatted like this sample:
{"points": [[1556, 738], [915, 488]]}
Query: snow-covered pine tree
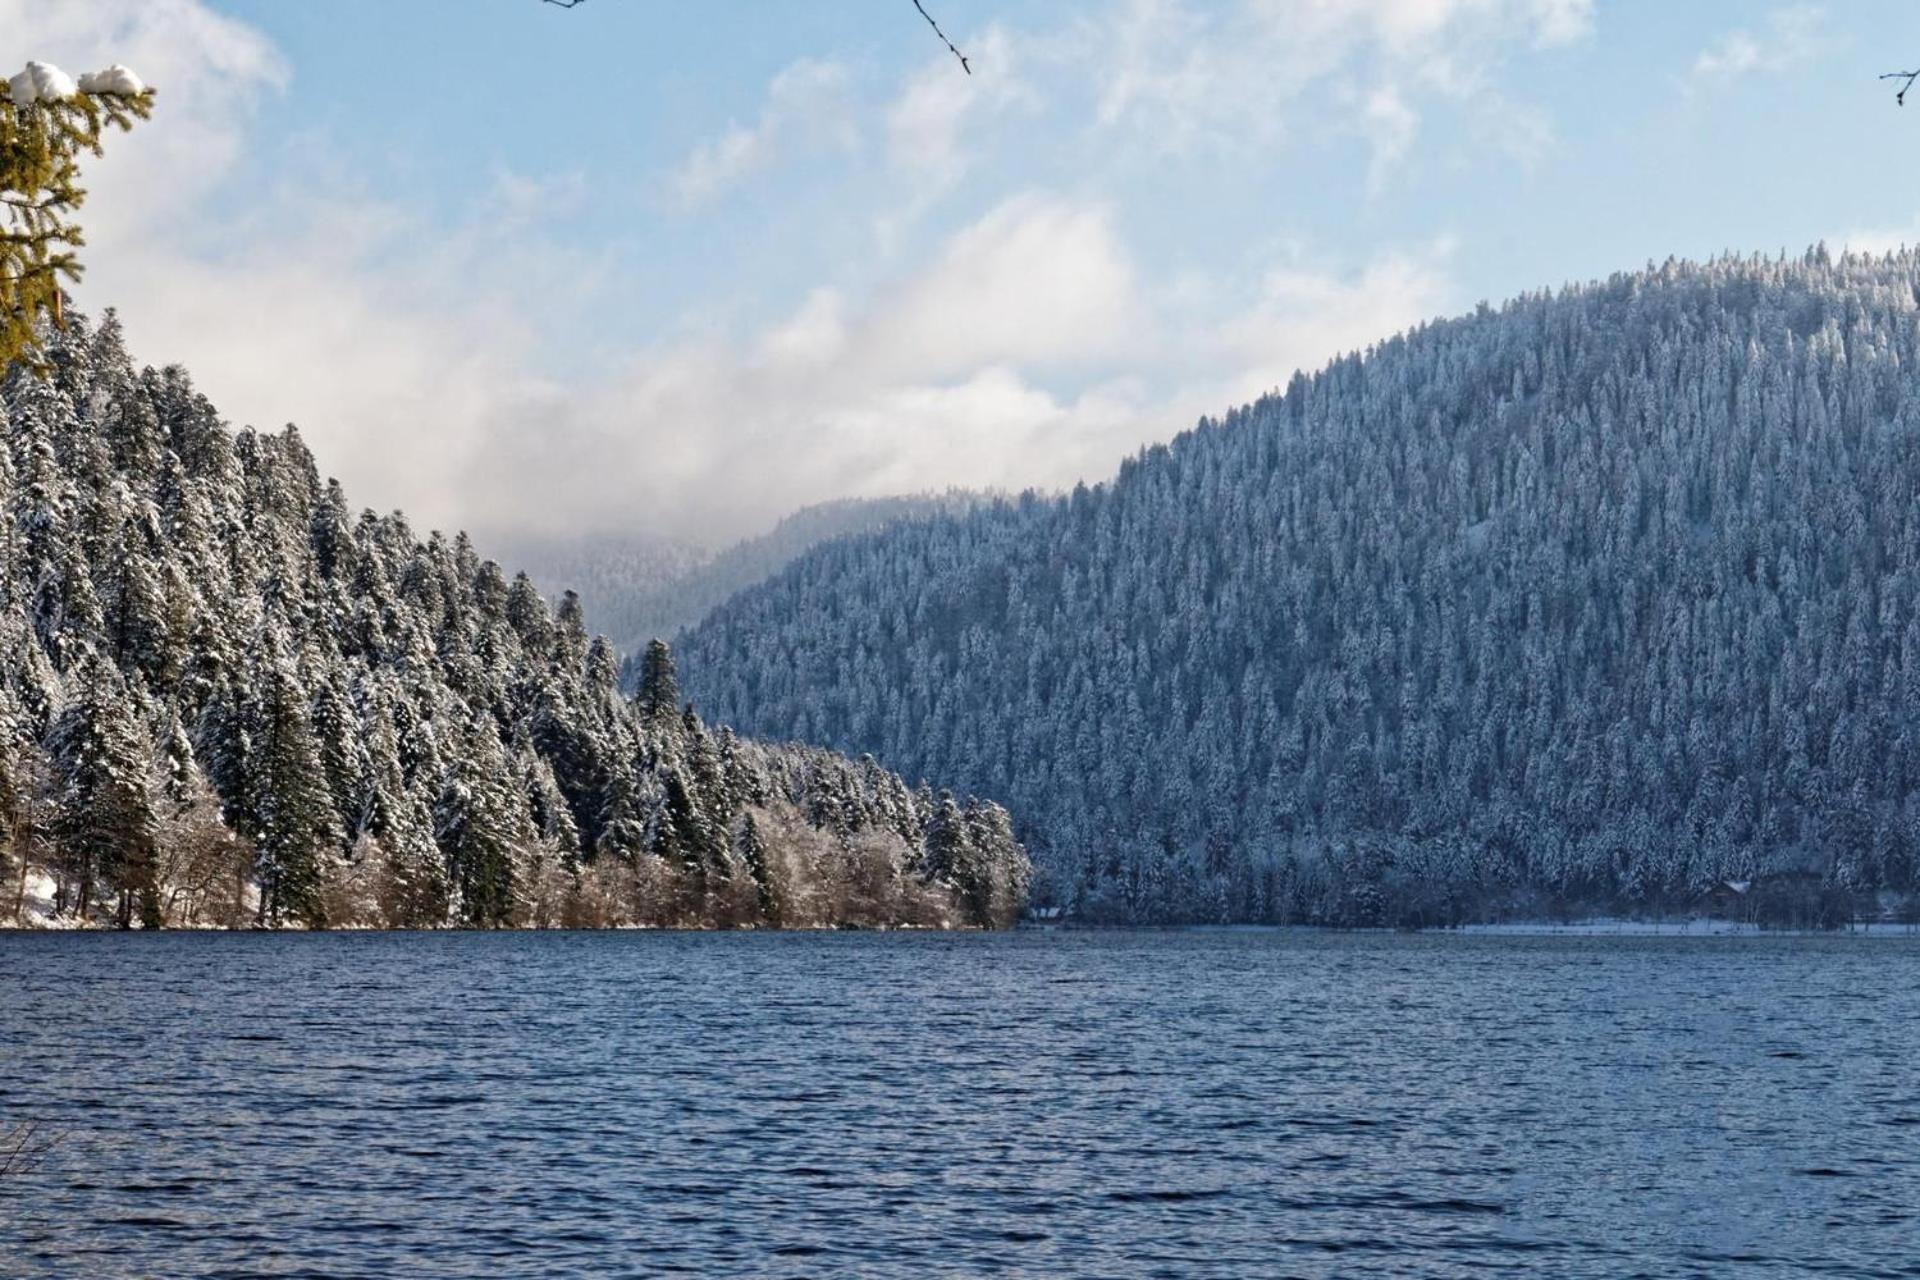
{"points": [[47, 123], [751, 848], [484, 828], [286, 804], [657, 693], [106, 826]]}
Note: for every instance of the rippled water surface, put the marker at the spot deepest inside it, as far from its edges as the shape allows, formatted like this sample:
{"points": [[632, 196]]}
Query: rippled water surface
{"points": [[1046, 1104]]}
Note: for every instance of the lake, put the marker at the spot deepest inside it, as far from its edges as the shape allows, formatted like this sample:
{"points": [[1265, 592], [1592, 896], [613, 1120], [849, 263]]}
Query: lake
{"points": [[1182, 1103]]}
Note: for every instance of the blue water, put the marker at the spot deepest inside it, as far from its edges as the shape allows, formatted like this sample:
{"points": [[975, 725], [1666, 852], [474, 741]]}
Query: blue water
{"points": [[1043, 1104]]}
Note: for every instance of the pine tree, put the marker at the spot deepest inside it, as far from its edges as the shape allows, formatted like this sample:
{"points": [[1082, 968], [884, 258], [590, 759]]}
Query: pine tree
{"points": [[623, 823], [289, 808], [343, 762], [483, 828], [751, 848], [947, 854], [547, 806], [687, 835], [41, 143], [416, 891], [106, 823], [658, 694]]}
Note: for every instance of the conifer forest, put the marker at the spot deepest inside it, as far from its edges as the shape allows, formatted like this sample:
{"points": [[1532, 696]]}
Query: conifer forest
{"points": [[226, 698], [1593, 601]]}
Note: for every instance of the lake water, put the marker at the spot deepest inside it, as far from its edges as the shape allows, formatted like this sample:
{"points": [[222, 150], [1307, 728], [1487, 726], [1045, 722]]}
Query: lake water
{"points": [[1048, 1104]]}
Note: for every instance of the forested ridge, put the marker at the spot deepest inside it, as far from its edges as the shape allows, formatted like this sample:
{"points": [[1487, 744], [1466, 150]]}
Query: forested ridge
{"points": [[1600, 599], [226, 698], [637, 588]]}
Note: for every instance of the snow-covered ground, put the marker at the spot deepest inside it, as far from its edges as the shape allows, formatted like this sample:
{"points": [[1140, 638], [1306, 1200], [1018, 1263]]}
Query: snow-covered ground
{"points": [[36, 905]]}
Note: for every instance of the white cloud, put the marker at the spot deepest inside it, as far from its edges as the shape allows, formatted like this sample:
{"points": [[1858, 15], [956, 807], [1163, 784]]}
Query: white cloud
{"points": [[814, 335], [1791, 35], [1025, 345], [1559, 22], [959, 373], [806, 106], [386, 338], [1037, 280], [208, 70], [932, 378], [1878, 240], [1304, 315], [1390, 125], [926, 121], [1179, 76]]}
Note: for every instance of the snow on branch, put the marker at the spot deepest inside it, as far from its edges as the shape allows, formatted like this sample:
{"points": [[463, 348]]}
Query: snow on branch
{"points": [[44, 82], [48, 120]]}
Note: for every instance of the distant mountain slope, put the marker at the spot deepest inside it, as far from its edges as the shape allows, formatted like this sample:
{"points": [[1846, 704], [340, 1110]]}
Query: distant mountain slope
{"points": [[637, 589], [617, 577], [226, 698], [1602, 597]]}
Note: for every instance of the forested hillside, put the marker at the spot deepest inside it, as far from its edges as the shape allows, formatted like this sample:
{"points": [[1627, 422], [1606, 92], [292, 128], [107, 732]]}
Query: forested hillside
{"points": [[635, 589], [1599, 598], [616, 577], [227, 698]]}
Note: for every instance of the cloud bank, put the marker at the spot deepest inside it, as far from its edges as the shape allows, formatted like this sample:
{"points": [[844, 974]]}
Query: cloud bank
{"points": [[1010, 334]]}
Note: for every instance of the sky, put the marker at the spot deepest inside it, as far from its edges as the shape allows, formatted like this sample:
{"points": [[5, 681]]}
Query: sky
{"points": [[674, 269]]}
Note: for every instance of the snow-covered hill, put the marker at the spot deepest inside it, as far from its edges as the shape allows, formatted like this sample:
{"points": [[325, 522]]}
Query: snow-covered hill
{"points": [[228, 698], [1602, 597]]}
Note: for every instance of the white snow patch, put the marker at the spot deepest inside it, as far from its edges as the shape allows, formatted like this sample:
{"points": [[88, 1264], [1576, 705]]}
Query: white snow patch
{"points": [[41, 82], [115, 79], [36, 903]]}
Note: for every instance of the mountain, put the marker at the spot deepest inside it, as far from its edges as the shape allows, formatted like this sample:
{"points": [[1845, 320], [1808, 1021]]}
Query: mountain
{"points": [[226, 698], [1600, 599], [637, 589], [618, 578]]}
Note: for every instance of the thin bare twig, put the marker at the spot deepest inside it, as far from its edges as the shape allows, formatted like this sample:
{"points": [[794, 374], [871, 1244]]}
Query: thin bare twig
{"points": [[1900, 98], [951, 48], [943, 37]]}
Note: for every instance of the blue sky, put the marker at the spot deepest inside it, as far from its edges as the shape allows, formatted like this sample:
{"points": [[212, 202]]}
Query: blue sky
{"points": [[680, 268]]}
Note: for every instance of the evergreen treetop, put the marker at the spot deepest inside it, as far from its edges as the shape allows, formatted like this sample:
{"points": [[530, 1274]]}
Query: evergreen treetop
{"points": [[658, 694], [46, 124]]}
